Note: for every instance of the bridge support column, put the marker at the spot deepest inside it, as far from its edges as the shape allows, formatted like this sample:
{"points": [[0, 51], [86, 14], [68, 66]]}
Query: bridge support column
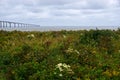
{"points": [[0, 24], [10, 25], [18, 25], [3, 24], [14, 25], [6, 24]]}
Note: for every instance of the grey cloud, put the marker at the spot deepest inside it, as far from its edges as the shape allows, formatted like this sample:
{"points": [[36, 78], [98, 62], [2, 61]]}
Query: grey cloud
{"points": [[91, 4], [55, 2], [38, 10]]}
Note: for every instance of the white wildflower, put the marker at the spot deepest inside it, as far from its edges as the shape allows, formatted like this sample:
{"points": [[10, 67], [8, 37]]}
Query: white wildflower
{"points": [[31, 36], [64, 36], [55, 73], [70, 50], [60, 75], [119, 51], [64, 67], [77, 51], [59, 66]]}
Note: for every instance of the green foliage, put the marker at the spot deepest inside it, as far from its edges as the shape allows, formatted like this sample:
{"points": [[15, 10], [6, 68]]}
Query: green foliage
{"points": [[100, 38], [82, 55]]}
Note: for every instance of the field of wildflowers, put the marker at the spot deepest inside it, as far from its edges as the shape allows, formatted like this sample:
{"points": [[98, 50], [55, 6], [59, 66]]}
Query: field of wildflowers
{"points": [[60, 55]]}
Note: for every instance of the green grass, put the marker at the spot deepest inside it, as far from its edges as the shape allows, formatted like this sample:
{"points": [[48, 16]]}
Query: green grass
{"points": [[83, 55]]}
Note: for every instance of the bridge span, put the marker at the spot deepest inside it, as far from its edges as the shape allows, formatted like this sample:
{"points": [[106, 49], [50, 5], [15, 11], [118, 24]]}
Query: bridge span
{"points": [[8, 24]]}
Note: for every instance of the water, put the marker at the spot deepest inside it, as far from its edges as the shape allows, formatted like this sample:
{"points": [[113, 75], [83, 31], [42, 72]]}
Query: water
{"points": [[58, 28]]}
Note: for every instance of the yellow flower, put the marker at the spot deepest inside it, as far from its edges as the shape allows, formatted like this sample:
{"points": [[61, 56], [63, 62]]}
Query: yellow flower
{"points": [[78, 79], [13, 72], [87, 78], [115, 73], [111, 73], [108, 73], [94, 52]]}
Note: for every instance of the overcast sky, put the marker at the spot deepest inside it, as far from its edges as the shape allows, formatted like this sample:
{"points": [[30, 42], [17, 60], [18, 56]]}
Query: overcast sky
{"points": [[62, 12]]}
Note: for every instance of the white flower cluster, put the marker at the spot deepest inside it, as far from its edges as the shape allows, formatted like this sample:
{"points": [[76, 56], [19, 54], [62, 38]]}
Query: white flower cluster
{"points": [[72, 50], [64, 67], [119, 51], [31, 36], [64, 36]]}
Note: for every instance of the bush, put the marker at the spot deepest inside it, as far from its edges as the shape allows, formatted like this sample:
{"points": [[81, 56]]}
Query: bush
{"points": [[92, 55]]}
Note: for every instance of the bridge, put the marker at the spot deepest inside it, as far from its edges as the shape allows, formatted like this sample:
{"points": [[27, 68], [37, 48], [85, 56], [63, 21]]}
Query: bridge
{"points": [[8, 24]]}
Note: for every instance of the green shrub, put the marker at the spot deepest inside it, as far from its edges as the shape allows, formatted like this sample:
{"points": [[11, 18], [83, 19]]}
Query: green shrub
{"points": [[91, 55]]}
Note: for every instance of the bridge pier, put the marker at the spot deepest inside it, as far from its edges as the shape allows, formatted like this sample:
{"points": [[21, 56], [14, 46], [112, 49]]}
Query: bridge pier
{"points": [[0, 24], [3, 24], [7, 24], [10, 24]]}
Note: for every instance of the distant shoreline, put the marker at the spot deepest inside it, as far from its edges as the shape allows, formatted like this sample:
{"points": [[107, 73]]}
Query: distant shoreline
{"points": [[59, 28]]}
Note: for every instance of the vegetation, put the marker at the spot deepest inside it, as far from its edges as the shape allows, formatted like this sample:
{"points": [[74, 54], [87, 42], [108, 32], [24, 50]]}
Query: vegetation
{"points": [[60, 55]]}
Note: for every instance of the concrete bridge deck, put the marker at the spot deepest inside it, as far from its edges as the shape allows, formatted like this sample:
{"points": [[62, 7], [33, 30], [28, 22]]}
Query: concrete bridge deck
{"points": [[8, 24]]}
